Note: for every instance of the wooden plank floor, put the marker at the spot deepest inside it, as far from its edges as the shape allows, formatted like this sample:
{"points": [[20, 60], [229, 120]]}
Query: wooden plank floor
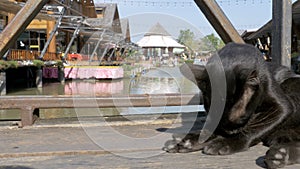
{"points": [[62, 145]]}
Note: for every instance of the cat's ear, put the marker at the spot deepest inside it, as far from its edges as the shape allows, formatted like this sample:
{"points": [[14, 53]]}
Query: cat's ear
{"points": [[253, 78], [193, 72]]}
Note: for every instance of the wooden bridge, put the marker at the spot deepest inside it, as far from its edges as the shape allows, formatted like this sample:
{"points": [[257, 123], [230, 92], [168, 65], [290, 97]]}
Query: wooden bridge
{"points": [[29, 105]]}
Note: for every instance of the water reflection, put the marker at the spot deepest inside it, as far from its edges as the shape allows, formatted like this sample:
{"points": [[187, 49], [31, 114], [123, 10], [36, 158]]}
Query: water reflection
{"points": [[94, 87], [157, 81], [154, 85], [75, 87], [161, 81]]}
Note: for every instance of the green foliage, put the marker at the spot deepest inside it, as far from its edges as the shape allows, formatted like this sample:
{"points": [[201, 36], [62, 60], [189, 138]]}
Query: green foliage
{"points": [[38, 63], [212, 43], [8, 64], [131, 53], [4, 65], [189, 61], [196, 45], [59, 63], [13, 64], [187, 38], [127, 67], [295, 54]]}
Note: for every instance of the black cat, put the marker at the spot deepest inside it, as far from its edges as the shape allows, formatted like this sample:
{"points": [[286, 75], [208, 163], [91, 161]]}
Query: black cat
{"points": [[260, 103]]}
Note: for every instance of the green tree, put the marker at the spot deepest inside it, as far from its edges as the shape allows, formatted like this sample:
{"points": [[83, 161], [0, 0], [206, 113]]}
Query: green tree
{"points": [[212, 43], [187, 38], [195, 45]]}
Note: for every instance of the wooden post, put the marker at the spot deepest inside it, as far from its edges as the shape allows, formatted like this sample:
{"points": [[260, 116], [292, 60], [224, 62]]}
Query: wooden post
{"points": [[219, 21], [39, 78], [26, 116], [61, 75], [3, 83], [50, 28], [10, 16], [281, 32], [51, 39]]}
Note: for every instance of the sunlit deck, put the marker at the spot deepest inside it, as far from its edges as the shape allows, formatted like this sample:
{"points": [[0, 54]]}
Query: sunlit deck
{"points": [[67, 144]]}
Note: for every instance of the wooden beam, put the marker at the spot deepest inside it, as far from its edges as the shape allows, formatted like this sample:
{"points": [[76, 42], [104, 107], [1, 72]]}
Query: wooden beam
{"points": [[219, 21], [51, 28], [19, 23], [281, 32], [108, 101], [27, 104]]}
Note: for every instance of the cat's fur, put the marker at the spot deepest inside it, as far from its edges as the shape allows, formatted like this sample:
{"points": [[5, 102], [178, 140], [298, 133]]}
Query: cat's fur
{"points": [[261, 104]]}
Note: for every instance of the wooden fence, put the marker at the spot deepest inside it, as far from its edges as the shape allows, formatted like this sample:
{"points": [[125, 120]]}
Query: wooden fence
{"points": [[16, 54]]}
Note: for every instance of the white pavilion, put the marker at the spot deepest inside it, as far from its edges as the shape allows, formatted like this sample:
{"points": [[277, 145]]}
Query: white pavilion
{"points": [[158, 42]]}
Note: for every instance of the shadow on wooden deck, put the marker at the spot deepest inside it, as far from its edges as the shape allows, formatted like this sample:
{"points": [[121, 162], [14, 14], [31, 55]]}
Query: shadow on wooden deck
{"points": [[63, 143]]}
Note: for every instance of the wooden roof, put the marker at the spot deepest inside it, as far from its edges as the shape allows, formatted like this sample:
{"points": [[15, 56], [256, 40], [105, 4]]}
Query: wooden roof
{"points": [[157, 29], [7, 6], [158, 37], [267, 28], [85, 7], [110, 19], [125, 29]]}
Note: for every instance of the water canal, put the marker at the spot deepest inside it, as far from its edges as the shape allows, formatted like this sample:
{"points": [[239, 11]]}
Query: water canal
{"points": [[155, 81]]}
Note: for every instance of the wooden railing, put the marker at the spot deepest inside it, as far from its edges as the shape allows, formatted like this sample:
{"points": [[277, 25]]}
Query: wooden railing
{"points": [[27, 104], [52, 56], [16, 54]]}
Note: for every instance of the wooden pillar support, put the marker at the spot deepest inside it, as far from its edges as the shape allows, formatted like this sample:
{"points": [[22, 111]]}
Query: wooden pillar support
{"points": [[281, 32], [3, 83], [61, 75], [219, 21], [51, 39], [50, 28], [10, 16], [39, 78], [26, 117]]}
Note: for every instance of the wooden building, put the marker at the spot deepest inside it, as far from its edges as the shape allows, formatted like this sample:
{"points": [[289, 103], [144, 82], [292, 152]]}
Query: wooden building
{"points": [[79, 20], [262, 37]]}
